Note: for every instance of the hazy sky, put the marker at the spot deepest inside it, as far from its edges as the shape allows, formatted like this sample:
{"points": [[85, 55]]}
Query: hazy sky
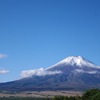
{"points": [[40, 33]]}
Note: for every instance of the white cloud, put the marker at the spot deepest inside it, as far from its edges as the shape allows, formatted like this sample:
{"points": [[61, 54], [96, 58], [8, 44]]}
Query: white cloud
{"points": [[38, 72], [2, 71], [3, 56], [89, 72]]}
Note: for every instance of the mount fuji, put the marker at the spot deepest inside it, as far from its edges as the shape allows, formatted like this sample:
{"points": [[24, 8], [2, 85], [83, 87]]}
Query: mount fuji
{"points": [[72, 73]]}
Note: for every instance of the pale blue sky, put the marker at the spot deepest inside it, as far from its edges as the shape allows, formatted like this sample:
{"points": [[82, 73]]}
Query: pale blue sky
{"points": [[39, 33]]}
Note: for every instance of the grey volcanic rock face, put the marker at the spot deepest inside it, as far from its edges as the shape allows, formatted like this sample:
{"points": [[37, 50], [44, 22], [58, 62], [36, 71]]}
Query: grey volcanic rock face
{"points": [[72, 73]]}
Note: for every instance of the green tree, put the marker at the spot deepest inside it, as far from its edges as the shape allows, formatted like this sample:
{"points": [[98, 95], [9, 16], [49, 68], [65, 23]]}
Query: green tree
{"points": [[89, 94], [66, 98], [96, 96]]}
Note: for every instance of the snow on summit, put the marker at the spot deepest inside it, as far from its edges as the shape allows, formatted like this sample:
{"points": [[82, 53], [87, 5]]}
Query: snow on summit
{"points": [[76, 61]]}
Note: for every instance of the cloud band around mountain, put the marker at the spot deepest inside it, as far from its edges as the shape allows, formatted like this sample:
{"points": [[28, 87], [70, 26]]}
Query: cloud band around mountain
{"points": [[38, 72]]}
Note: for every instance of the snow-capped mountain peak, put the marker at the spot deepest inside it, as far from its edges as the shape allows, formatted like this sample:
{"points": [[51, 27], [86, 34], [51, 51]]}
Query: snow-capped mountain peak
{"points": [[76, 61], [72, 73], [73, 60]]}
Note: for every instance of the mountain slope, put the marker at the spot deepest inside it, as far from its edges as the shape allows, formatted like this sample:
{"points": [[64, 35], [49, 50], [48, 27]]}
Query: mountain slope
{"points": [[72, 73]]}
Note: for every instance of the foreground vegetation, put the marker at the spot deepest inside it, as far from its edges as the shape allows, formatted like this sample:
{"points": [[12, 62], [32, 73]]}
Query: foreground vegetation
{"points": [[93, 94]]}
